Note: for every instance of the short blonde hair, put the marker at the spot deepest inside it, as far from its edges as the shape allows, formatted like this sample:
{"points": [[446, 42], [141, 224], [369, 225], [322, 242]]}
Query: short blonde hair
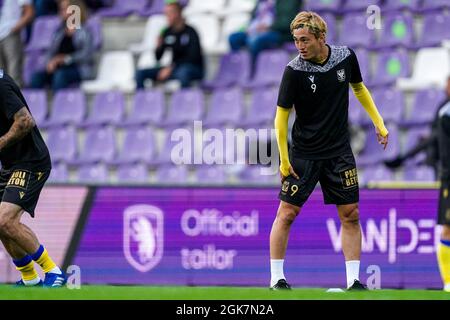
{"points": [[315, 23]]}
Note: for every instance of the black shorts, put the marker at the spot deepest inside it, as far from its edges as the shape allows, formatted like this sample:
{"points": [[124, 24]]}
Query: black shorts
{"points": [[337, 176], [444, 204], [22, 187]]}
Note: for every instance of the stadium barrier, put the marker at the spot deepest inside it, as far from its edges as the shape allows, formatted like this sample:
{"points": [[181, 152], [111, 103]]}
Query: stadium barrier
{"points": [[220, 236]]}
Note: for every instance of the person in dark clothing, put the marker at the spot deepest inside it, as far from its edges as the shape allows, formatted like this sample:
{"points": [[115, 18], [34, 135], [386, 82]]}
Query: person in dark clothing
{"points": [[26, 166], [429, 145], [187, 58], [70, 57], [268, 28]]}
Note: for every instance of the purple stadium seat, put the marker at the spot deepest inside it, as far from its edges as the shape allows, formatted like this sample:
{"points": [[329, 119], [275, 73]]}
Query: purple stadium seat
{"points": [[373, 152], [108, 108], [234, 69], [34, 61], [397, 5], [323, 5], [226, 107], [435, 29], [390, 66], [269, 68], [390, 103], [99, 146], [139, 146], [262, 108], [148, 108], [210, 175], [37, 102], [397, 31], [187, 105], [172, 175], [93, 174], [330, 19], [375, 174], [124, 8], [69, 107], [424, 107], [413, 137], [59, 174], [364, 63], [134, 174], [62, 144], [434, 5], [42, 33], [258, 175], [94, 26], [358, 5], [419, 174], [165, 154], [354, 32]]}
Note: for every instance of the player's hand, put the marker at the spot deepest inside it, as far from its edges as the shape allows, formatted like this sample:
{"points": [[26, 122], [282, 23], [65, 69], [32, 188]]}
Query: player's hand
{"points": [[382, 140], [164, 73], [291, 173]]}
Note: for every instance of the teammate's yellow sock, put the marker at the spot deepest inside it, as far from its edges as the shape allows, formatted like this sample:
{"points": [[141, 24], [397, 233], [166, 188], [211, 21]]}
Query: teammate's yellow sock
{"points": [[26, 267], [443, 255], [43, 259]]}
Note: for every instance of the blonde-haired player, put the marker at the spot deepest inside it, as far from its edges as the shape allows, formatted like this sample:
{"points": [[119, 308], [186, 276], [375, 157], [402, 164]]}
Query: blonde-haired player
{"points": [[316, 84]]}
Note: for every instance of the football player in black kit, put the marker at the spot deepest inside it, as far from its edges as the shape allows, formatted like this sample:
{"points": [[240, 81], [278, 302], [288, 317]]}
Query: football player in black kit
{"points": [[316, 84]]}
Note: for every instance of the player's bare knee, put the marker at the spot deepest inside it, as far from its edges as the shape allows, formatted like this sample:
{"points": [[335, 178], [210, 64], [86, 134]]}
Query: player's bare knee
{"points": [[350, 216], [286, 214]]}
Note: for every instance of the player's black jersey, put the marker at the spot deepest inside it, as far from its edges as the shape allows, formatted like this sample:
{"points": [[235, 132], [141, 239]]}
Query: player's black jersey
{"points": [[319, 93], [444, 141], [30, 152]]}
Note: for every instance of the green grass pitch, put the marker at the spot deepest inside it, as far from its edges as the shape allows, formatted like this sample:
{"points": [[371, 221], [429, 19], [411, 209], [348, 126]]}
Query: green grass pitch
{"points": [[88, 292]]}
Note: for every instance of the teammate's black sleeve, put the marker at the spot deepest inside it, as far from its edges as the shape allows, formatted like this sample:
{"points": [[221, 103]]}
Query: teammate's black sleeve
{"points": [[355, 76], [286, 93], [10, 102]]}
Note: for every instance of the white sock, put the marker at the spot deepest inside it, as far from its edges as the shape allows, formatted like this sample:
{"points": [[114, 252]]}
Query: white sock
{"points": [[352, 271], [56, 270], [32, 282], [447, 287], [276, 271]]}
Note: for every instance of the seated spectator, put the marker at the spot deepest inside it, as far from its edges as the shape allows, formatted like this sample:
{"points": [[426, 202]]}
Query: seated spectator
{"points": [[187, 57], [70, 58], [45, 7], [268, 28], [15, 15]]}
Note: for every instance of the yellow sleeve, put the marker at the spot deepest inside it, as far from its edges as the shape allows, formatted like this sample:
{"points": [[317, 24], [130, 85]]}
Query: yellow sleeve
{"points": [[281, 130], [364, 97]]}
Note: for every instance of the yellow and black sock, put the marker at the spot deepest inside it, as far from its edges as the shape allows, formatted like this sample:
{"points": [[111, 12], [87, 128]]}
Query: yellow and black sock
{"points": [[443, 255], [26, 267]]}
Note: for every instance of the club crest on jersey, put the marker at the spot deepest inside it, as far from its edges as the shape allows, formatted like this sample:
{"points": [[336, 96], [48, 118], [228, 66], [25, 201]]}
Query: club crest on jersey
{"points": [[341, 75], [311, 78]]}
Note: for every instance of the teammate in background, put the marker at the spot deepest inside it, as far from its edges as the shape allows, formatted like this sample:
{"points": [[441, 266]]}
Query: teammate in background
{"points": [[443, 136], [26, 166], [316, 83]]}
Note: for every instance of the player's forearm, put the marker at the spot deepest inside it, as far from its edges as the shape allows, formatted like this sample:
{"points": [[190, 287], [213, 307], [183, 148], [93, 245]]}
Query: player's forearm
{"points": [[364, 97], [22, 125], [281, 129]]}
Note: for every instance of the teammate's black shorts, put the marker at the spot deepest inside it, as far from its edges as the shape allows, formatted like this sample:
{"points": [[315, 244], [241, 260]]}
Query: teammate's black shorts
{"points": [[444, 204], [22, 187], [337, 176]]}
